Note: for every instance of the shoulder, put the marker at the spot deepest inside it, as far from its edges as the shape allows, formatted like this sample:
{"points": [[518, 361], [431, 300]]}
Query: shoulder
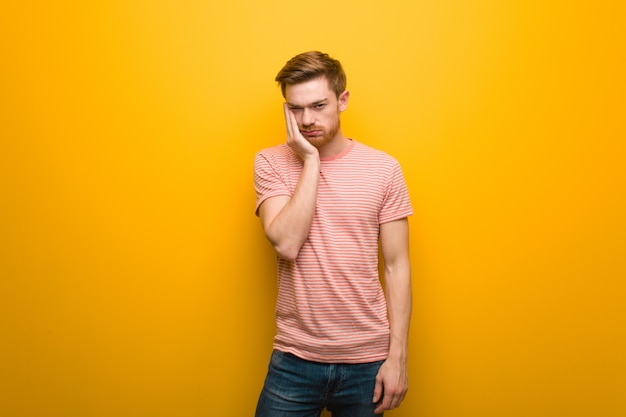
{"points": [[373, 155], [276, 155], [281, 150]]}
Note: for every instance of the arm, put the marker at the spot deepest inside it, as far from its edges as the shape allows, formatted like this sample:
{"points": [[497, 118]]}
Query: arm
{"points": [[287, 220], [392, 378]]}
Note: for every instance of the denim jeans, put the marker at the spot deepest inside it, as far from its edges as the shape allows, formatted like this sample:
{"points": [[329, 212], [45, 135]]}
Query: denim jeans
{"points": [[298, 388]]}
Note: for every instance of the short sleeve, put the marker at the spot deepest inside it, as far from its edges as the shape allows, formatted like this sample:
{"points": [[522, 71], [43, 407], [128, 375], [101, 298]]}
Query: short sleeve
{"points": [[267, 180], [397, 204]]}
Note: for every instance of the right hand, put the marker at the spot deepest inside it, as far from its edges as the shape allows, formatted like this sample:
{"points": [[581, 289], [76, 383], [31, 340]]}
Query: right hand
{"points": [[295, 140]]}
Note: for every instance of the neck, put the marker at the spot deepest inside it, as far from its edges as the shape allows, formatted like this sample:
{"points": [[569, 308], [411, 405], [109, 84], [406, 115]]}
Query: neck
{"points": [[335, 146]]}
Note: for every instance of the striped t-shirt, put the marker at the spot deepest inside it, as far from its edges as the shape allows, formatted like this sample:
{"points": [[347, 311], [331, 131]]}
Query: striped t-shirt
{"points": [[331, 307]]}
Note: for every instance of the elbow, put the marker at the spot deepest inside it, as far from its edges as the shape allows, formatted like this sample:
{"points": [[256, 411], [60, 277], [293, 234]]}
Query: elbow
{"points": [[287, 252], [286, 247]]}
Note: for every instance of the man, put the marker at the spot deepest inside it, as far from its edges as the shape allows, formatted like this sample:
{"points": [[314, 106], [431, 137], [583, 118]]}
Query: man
{"points": [[326, 202]]}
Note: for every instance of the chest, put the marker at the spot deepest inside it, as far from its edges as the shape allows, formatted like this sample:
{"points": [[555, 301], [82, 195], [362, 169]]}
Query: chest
{"points": [[355, 194]]}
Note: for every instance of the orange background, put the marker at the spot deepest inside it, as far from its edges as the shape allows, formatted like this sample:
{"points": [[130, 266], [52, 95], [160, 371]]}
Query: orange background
{"points": [[135, 278]]}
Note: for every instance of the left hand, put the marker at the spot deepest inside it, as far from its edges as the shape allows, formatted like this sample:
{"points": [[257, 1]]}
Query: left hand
{"points": [[391, 385]]}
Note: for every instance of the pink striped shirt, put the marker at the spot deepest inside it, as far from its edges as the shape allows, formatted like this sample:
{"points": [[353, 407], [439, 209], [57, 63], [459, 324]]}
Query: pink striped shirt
{"points": [[331, 307]]}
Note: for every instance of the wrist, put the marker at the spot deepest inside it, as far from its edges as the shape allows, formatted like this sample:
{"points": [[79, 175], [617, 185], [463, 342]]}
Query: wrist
{"points": [[397, 357], [398, 352], [311, 159]]}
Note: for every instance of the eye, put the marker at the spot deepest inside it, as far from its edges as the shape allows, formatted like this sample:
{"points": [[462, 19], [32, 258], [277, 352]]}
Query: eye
{"points": [[320, 106]]}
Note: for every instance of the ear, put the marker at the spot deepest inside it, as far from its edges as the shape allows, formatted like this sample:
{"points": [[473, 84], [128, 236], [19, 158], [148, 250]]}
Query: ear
{"points": [[343, 100]]}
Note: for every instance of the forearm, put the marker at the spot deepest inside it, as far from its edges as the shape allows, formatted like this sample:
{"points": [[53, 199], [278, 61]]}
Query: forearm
{"points": [[289, 229], [399, 305], [392, 379]]}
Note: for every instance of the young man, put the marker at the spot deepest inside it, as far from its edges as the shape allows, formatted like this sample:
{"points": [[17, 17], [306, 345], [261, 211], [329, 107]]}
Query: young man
{"points": [[325, 203]]}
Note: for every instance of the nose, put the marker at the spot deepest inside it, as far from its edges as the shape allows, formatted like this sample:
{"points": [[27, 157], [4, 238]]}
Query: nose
{"points": [[307, 117]]}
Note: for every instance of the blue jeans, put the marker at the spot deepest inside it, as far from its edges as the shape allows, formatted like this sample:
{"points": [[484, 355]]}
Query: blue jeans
{"points": [[298, 388]]}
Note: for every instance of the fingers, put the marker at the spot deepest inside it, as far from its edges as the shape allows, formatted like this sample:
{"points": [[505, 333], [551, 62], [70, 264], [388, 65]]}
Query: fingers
{"points": [[387, 397], [378, 391], [378, 397], [389, 401], [288, 120]]}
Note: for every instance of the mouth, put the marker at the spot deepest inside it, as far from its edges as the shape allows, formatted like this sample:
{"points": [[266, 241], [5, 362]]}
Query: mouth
{"points": [[311, 133]]}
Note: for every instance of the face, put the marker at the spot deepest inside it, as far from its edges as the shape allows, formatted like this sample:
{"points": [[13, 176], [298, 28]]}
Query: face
{"points": [[317, 110]]}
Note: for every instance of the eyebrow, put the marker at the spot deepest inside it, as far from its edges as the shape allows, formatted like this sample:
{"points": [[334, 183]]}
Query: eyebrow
{"points": [[315, 103]]}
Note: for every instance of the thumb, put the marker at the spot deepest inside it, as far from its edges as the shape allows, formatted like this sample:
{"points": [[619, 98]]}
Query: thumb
{"points": [[378, 390]]}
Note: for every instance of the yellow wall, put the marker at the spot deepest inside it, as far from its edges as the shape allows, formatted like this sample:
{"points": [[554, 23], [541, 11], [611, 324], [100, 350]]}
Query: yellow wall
{"points": [[135, 280]]}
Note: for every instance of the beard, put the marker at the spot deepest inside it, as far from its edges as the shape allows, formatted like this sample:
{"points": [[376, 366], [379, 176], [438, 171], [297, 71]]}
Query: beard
{"points": [[325, 136]]}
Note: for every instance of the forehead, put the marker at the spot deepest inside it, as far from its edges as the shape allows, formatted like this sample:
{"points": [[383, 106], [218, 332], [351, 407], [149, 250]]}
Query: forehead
{"points": [[308, 92]]}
